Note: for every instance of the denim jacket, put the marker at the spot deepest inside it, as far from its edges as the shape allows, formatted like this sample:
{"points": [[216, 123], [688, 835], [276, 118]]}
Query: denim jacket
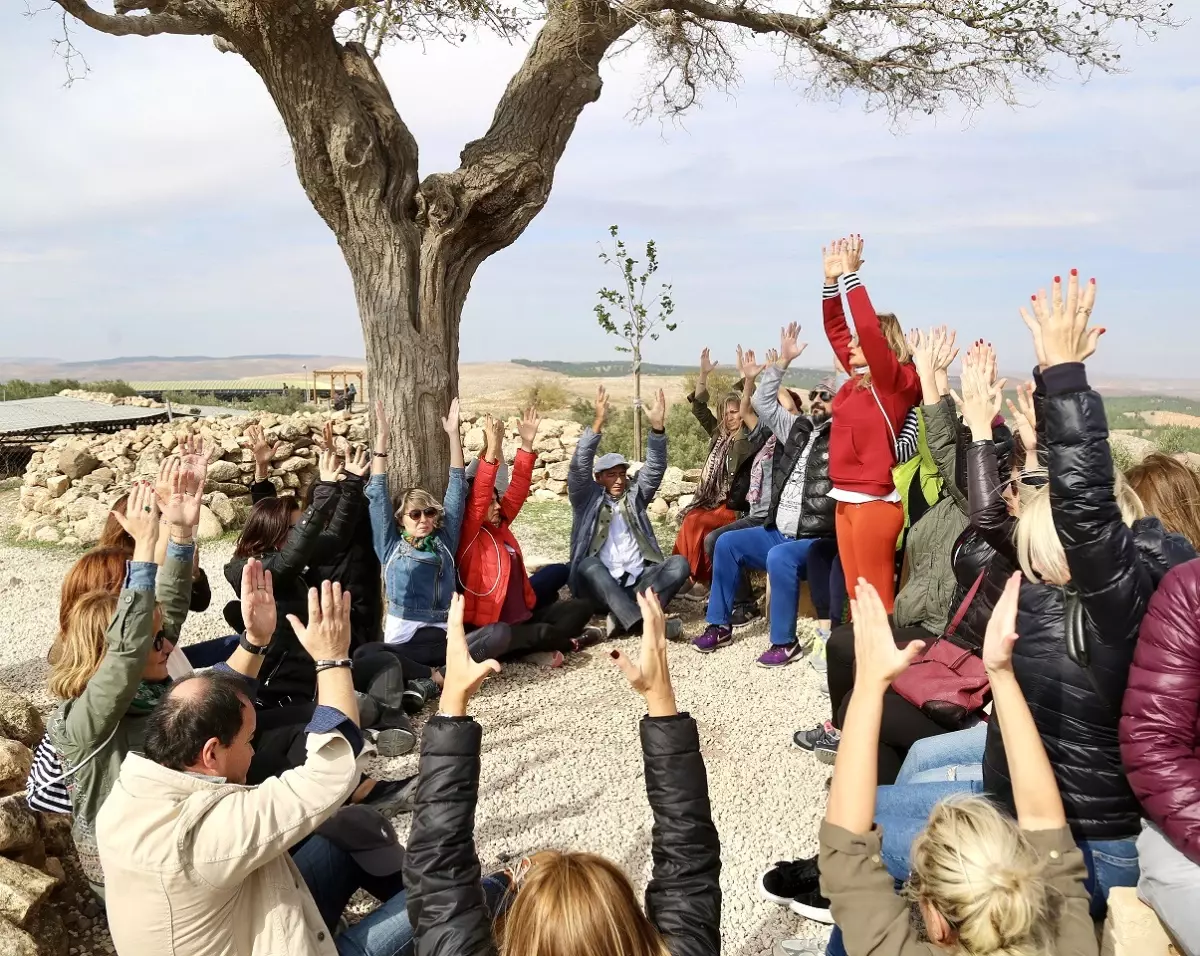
{"points": [[419, 583]]}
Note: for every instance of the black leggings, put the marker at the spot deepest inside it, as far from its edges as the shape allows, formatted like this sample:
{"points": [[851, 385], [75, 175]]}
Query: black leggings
{"points": [[550, 628], [903, 724], [280, 741]]}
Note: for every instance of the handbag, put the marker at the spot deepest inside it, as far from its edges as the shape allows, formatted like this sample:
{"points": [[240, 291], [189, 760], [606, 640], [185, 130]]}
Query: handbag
{"points": [[948, 682]]}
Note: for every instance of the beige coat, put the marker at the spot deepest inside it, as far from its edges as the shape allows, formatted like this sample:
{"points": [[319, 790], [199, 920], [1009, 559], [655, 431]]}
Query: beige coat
{"points": [[197, 867]]}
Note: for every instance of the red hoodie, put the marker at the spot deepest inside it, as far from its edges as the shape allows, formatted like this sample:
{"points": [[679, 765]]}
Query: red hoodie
{"points": [[484, 564], [861, 443]]}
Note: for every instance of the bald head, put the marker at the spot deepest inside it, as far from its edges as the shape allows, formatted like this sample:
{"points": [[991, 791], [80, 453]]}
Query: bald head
{"points": [[201, 725]]}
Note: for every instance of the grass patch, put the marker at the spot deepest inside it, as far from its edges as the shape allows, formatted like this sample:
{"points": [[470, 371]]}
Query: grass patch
{"points": [[544, 530]]}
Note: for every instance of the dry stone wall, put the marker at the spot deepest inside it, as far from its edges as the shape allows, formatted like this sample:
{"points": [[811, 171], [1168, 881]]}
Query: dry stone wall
{"points": [[71, 483]]}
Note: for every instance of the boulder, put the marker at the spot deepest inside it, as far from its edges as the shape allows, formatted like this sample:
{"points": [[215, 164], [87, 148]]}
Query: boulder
{"points": [[45, 935], [543, 495], [75, 461], [47, 536], [57, 485], [220, 471], [558, 487], [554, 455], [210, 527], [659, 508], [672, 484], [15, 760], [294, 464], [18, 826], [559, 470], [221, 506]]}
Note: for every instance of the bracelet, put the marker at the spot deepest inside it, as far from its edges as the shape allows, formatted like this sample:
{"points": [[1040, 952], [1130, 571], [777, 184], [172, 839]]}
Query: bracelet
{"points": [[330, 665], [258, 650], [379, 454]]}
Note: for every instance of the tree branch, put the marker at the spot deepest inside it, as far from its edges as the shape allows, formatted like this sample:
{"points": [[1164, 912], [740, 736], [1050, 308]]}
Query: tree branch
{"points": [[186, 18]]}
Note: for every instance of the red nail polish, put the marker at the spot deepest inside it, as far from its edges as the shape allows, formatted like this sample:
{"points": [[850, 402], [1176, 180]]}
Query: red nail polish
{"points": [[1058, 278], [1074, 272], [1093, 281], [1033, 298], [614, 654]]}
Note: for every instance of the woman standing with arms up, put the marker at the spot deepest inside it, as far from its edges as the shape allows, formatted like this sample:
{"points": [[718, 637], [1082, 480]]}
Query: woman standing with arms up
{"points": [[868, 414]]}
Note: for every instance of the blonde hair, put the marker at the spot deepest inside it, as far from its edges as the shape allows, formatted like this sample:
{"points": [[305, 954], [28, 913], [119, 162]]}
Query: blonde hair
{"points": [[83, 644], [1170, 491], [416, 498], [977, 869], [896, 340], [1039, 549], [578, 904]]}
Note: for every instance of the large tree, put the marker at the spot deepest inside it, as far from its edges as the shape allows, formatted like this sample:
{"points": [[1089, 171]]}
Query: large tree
{"points": [[413, 245]]}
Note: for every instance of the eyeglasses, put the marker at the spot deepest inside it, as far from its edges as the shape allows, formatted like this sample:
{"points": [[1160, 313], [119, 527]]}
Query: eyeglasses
{"points": [[418, 514], [162, 639], [822, 393]]}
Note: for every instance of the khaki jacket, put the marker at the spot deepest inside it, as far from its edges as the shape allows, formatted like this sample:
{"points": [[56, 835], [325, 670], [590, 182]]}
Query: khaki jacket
{"points": [[875, 920], [194, 866]]}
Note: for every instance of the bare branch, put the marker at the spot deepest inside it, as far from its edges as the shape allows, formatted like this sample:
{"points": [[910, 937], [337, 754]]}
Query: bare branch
{"points": [[184, 17], [380, 22]]}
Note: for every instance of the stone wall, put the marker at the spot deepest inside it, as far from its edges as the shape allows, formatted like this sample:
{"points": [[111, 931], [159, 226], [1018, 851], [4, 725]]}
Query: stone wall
{"points": [[70, 483]]}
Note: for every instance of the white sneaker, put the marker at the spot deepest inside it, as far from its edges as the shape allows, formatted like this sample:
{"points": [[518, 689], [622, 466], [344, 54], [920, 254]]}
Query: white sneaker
{"points": [[800, 947]]}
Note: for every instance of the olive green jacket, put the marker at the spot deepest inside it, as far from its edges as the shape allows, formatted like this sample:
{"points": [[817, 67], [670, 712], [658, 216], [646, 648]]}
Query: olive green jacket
{"points": [[93, 733], [740, 448]]}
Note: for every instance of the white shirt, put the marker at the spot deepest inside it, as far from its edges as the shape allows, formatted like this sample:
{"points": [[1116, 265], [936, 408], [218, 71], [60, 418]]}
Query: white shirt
{"points": [[858, 498], [396, 630], [620, 552]]}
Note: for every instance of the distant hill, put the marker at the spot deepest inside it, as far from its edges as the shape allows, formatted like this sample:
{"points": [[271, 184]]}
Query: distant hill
{"points": [[175, 368], [798, 377]]}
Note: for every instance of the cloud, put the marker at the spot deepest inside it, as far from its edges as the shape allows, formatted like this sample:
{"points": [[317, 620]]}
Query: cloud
{"points": [[156, 203]]}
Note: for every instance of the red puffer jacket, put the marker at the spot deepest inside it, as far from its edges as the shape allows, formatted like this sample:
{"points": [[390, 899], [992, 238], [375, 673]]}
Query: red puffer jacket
{"points": [[866, 421], [484, 564], [1160, 716]]}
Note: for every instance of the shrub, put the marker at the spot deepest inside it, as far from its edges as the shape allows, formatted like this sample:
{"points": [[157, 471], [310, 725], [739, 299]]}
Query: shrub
{"points": [[544, 395], [115, 386]]}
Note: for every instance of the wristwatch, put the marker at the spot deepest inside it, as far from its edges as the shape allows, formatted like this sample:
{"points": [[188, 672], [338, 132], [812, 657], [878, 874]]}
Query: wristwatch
{"points": [[329, 665], [258, 650]]}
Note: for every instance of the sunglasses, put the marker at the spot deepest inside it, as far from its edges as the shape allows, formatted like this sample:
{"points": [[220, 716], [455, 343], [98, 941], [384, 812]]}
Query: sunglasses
{"points": [[823, 394], [162, 639], [417, 514]]}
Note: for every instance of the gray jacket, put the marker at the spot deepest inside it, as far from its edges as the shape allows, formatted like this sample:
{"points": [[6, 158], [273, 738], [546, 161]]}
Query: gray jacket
{"points": [[587, 498]]}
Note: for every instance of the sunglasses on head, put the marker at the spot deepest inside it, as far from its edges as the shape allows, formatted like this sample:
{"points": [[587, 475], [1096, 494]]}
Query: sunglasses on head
{"points": [[822, 393], [416, 514]]}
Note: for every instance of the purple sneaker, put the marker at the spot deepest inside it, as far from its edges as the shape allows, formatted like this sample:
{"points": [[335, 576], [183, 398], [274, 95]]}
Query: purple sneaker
{"points": [[715, 637], [780, 655]]}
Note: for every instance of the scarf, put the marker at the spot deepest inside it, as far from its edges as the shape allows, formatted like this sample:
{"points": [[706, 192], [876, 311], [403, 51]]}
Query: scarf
{"points": [[427, 543], [714, 480], [754, 495], [147, 695]]}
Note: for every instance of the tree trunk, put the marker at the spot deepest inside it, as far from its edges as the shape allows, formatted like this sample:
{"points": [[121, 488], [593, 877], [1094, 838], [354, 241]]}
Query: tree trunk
{"points": [[637, 403]]}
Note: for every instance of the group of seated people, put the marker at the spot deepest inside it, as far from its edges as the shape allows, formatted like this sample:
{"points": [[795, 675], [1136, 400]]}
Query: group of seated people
{"points": [[1014, 731]]}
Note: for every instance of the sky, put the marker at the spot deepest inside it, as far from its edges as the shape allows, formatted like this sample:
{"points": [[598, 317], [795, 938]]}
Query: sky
{"points": [[152, 208]]}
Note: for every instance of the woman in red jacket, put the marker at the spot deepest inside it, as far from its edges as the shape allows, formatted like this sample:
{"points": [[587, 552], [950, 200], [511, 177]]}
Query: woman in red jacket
{"points": [[491, 568], [868, 414], [1160, 748]]}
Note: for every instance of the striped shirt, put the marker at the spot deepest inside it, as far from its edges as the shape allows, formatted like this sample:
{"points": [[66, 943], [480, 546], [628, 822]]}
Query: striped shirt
{"points": [[47, 788]]}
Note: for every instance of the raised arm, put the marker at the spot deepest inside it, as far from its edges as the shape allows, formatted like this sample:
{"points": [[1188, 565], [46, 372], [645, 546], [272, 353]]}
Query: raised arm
{"points": [[833, 312], [258, 614], [683, 899], [454, 504], [652, 472], [941, 435], [441, 866], [479, 496], [581, 482], [522, 474], [981, 401], [746, 406], [180, 491], [766, 400], [888, 373], [302, 541], [384, 535], [698, 399]]}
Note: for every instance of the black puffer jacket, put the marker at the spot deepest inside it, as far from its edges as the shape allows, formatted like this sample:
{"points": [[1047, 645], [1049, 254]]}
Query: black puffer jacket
{"points": [[441, 867], [288, 674], [1114, 570]]}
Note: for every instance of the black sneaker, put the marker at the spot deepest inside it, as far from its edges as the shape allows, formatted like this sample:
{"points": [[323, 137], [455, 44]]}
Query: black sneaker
{"points": [[744, 614], [393, 741], [812, 905], [822, 741], [418, 693], [786, 880], [393, 796]]}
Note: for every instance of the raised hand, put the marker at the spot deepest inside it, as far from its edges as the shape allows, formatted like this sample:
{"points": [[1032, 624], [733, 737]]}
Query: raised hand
{"points": [[1001, 632], [601, 409], [944, 352], [981, 398], [657, 413], [1060, 328], [921, 345], [262, 450], [528, 427], [772, 356], [651, 677], [382, 430], [1024, 415], [328, 466], [181, 508], [326, 440], [852, 249], [358, 462], [748, 365], [464, 675], [258, 603], [834, 260], [326, 637], [194, 455], [493, 432], [706, 365], [451, 422], [790, 346], [140, 520], [877, 659]]}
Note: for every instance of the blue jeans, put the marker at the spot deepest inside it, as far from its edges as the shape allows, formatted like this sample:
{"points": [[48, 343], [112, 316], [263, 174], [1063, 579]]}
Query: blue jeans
{"points": [[784, 560], [212, 652], [902, 812], [333, 877], [547, 582], [826, 580], [945, 757], [1110, 863]]}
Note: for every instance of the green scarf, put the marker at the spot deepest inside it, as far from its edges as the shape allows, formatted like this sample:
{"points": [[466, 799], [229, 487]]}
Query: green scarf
{"points": [[147, 695], [427, 543]]}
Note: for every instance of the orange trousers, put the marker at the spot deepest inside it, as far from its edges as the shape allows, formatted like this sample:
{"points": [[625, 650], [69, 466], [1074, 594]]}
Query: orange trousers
{"points": [[866, 537]]}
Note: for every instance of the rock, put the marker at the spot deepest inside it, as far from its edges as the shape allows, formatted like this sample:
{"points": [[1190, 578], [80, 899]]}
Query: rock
{"points": [[55, 869], [543, 495], [294, 464], [15, 941], [18, 826], [556, 455], [558, 487], [47, 536], [48, 933], [210, 527], [223, 471], [474, 441], [75, 461], [659, 508], [559, 470], [19, 719], [283, 451], [672, 484], [15, 760], [685, 500], [221, 506], [55, 829], [57, 484]]}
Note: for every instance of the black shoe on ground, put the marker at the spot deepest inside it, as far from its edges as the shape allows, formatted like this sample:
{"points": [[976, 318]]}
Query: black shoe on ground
{"points": [[418, 693], [786, 880], [393, 796], [812, 905], [743, 614], [393, 741]]}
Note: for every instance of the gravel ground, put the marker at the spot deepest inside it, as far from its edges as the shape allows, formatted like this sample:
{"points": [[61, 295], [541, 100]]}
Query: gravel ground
{"points": [[561, 763]]}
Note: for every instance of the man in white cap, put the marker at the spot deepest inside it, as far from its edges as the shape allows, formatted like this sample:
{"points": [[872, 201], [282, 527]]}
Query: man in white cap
{"points": [[614, 553]]}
